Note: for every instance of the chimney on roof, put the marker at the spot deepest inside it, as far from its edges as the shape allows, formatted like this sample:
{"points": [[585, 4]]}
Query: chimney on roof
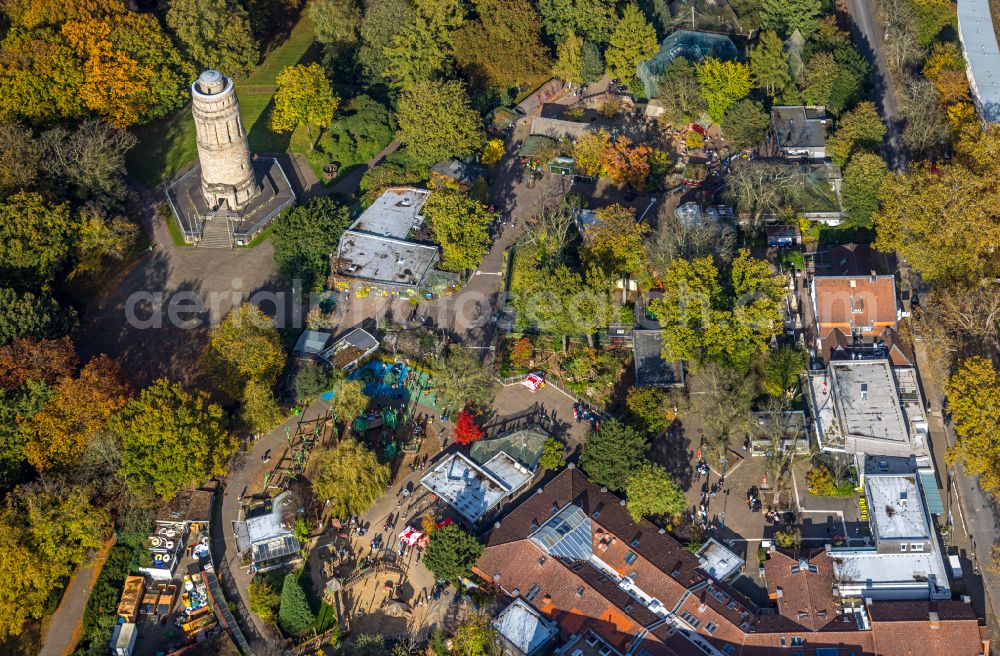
{"points": [[874, 277], [571, 465], [497, 525], [779, 592], [934, 619], [604, 488], [622, 502]]}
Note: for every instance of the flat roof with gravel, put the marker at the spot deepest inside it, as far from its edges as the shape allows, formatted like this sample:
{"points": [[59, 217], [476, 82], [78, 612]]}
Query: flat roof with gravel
{"points": [[896, 507], [828, 430], [394, 213], [376, 247], [890, 575], [867, 402], [474, 490], [524, 627]]}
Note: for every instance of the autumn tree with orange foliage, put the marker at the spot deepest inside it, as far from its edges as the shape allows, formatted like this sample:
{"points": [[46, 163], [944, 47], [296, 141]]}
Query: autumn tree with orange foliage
{"points": [[79, 408], [953, 86], [66, 59], [27, 358], [521, 352], [627, 164], [114, 84], [37, 13]]}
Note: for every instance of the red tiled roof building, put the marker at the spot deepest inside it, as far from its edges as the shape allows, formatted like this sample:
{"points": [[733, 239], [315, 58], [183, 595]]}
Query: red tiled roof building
{"points": [[615, 586]]}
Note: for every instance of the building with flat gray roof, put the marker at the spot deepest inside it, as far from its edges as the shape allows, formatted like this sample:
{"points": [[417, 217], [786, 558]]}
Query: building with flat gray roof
{"points": [[651, 368], [473, 490], [905, 562], [394, 213], [895, 508], [718, 560], [377, 246], [867, 406], [524, 630], [982, 55]]}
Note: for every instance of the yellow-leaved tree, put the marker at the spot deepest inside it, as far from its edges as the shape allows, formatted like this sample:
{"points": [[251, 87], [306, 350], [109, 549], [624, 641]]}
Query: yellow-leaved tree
{"points": [[723, 84], [244, 347], [304, 97], [588, 152], [974, 402], [348, 476], [171, 439], [44, 535], [945, 219]]}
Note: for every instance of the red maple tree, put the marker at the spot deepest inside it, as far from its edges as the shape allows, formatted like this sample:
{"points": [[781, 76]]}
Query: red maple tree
{"points": [[466, 430]]}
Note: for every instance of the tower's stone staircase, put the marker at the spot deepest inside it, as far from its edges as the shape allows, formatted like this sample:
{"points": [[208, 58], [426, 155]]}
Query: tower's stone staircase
{"points": [[215, 233], [215, 230]]}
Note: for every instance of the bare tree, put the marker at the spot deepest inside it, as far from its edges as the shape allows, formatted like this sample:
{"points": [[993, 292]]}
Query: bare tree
{"points": [[760, 188], [973, 313], [721, 406], [938, 343], [927, 127], [549, 232], [98, 468], [901, 46], [675, 240], [91, 157], [410, 644], [779, 428]]}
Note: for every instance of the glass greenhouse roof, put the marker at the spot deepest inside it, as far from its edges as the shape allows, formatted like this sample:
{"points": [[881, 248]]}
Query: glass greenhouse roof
{"points": [[566, 535], [693, 46]]}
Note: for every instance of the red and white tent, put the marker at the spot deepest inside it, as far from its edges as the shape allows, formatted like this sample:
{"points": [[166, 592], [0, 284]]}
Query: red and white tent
{"points": [[534, 382], [410, 536]]}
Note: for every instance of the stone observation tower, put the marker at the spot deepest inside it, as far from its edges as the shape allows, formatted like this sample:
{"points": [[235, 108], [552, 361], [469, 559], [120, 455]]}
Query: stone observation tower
{"points": [[227, 198], [227, 173]]}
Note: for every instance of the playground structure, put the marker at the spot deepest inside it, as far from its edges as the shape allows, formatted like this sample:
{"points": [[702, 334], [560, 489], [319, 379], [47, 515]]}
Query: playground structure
{"points": [[307, 435], [395, 421], [402, 409]]}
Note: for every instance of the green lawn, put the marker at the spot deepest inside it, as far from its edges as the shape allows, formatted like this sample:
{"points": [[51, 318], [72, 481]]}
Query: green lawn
{"points": [[165, 146]]}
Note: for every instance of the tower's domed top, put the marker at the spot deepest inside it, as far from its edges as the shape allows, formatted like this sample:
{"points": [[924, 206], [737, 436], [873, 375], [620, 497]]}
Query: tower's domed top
{"points": [[211, 82]]}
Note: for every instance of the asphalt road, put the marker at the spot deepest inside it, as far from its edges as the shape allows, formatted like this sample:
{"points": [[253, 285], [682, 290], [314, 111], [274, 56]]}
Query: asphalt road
{"points": [[867, 32]]}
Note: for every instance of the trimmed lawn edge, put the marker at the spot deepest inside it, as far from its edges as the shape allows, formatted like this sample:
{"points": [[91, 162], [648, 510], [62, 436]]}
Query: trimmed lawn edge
{"points": [[262, 235], [175, 230]]}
